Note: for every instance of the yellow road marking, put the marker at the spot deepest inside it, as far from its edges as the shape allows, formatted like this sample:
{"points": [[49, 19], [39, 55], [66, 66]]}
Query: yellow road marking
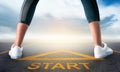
{"points": [[58, 65], [79, 54], [36, 57], [5, 51], [116, 51], [60, 59], [87, 57]]}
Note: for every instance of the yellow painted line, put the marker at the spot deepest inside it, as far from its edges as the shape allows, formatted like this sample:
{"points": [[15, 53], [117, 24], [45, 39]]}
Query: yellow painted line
{"points": [[79, 54], [40, 55], [6, 51], [61, 59], [3, 52], [116, 51], [37, 57]]}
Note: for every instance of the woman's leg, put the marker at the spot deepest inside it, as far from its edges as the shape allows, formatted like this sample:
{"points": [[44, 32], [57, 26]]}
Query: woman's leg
{"points": [[27, 13], [92, 13], [96, 33], [21, 30]]}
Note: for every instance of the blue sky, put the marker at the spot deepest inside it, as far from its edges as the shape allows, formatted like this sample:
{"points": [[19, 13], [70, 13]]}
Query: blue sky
{"points": [[110, 2], [60, 16]]}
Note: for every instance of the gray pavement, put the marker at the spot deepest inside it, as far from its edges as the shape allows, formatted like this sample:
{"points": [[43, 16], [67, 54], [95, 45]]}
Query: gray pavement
{"points": [[38, 57]]}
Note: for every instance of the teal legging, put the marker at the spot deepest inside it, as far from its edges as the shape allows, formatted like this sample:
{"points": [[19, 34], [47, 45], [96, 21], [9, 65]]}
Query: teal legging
{"points": [[29, 6]]}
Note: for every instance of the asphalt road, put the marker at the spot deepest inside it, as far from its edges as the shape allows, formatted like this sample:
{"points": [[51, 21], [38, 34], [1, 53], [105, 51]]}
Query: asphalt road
{"points": [[38, 57]]}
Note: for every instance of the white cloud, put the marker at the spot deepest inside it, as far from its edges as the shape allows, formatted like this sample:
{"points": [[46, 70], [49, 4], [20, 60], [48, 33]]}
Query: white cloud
{"points": [[57, 8], [61, 8], [5, 29], [68, 9], [6, 32], [111, 10], [14, 4]]}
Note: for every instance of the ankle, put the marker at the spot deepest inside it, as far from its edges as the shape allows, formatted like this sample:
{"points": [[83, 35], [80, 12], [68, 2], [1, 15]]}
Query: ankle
{"points": [[101, 45], [16, 45]]}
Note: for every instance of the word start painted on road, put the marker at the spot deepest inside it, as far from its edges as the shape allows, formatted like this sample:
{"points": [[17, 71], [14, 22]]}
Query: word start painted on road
{"points": [[59, 65]]}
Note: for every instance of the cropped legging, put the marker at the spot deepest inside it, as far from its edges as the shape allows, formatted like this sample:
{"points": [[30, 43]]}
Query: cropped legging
{"points": [[29, 6]]}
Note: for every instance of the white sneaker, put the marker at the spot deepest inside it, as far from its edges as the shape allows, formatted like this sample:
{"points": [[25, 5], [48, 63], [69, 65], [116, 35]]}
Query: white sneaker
{"points": [[15, 52], [101, 52]]}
